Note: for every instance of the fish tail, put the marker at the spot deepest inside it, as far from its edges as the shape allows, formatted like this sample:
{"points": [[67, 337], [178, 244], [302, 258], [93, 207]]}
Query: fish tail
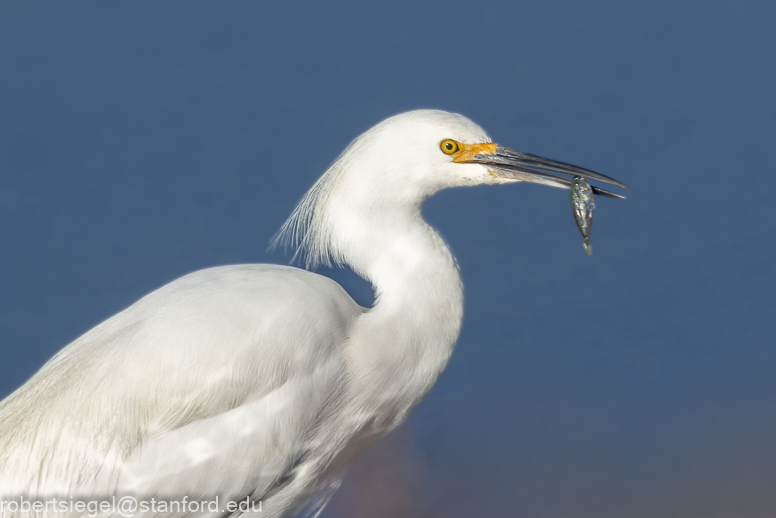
{"points": [[588, 246]]}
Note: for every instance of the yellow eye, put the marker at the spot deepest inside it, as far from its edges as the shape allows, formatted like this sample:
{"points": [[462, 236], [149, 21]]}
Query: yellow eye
{"points": [[450, 147]]}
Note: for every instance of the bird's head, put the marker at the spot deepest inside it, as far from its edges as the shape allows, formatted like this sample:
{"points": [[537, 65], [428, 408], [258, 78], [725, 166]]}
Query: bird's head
{"points": [[380, 181], [418, 153]]}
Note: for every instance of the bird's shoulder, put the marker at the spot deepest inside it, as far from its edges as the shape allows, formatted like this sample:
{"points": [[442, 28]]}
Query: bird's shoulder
{"points": [[228, 307], [228, 344], [257, 285], [248, 326]]}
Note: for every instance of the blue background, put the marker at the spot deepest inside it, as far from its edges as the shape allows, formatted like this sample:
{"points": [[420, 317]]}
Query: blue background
{"points": [[141, 141]]}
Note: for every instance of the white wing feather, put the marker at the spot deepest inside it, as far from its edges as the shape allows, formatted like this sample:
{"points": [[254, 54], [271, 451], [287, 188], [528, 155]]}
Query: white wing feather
{"points": [[207, 386]]}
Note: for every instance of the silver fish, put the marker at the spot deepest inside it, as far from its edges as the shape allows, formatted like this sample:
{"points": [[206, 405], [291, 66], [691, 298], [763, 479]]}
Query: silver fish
{"points": [[583, 204]]}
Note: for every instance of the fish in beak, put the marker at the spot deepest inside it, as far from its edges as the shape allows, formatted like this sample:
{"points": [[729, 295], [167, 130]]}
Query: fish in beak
{"points": [[516, 165]]}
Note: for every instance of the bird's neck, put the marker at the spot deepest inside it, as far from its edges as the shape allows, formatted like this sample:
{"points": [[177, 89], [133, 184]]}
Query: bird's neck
{"points": [[401, 345]]}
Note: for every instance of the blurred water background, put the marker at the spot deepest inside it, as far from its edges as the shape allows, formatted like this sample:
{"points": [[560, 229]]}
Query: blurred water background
{"points": [[140, 141]]}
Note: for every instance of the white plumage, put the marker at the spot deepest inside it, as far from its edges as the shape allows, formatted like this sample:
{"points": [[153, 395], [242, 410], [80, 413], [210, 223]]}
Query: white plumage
{"points": [[264, 381]]}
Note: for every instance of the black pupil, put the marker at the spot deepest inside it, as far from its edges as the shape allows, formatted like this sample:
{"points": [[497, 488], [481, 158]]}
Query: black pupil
{"points": [[449, 146]]}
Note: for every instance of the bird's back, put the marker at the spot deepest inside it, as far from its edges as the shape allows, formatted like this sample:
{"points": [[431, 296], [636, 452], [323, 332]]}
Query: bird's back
{"points": [[209, 385]]}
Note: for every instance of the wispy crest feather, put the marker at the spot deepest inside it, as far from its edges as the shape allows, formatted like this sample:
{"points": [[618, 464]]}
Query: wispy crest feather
{"points": [[307, 230]]}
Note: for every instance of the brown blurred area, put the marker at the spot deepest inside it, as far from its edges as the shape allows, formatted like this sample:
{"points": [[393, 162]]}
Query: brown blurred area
{"points": [[388, 481]]}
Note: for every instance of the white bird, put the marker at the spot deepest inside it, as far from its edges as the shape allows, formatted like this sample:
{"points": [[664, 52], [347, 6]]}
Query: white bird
{"points": [[262, 381]]}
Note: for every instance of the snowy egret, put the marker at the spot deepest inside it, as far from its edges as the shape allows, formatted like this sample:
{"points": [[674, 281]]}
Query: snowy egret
{"points": [[263, 382]]}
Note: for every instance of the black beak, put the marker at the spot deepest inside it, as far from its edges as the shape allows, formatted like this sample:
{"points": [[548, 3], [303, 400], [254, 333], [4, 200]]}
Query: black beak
{"points": [[508, 163]]}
